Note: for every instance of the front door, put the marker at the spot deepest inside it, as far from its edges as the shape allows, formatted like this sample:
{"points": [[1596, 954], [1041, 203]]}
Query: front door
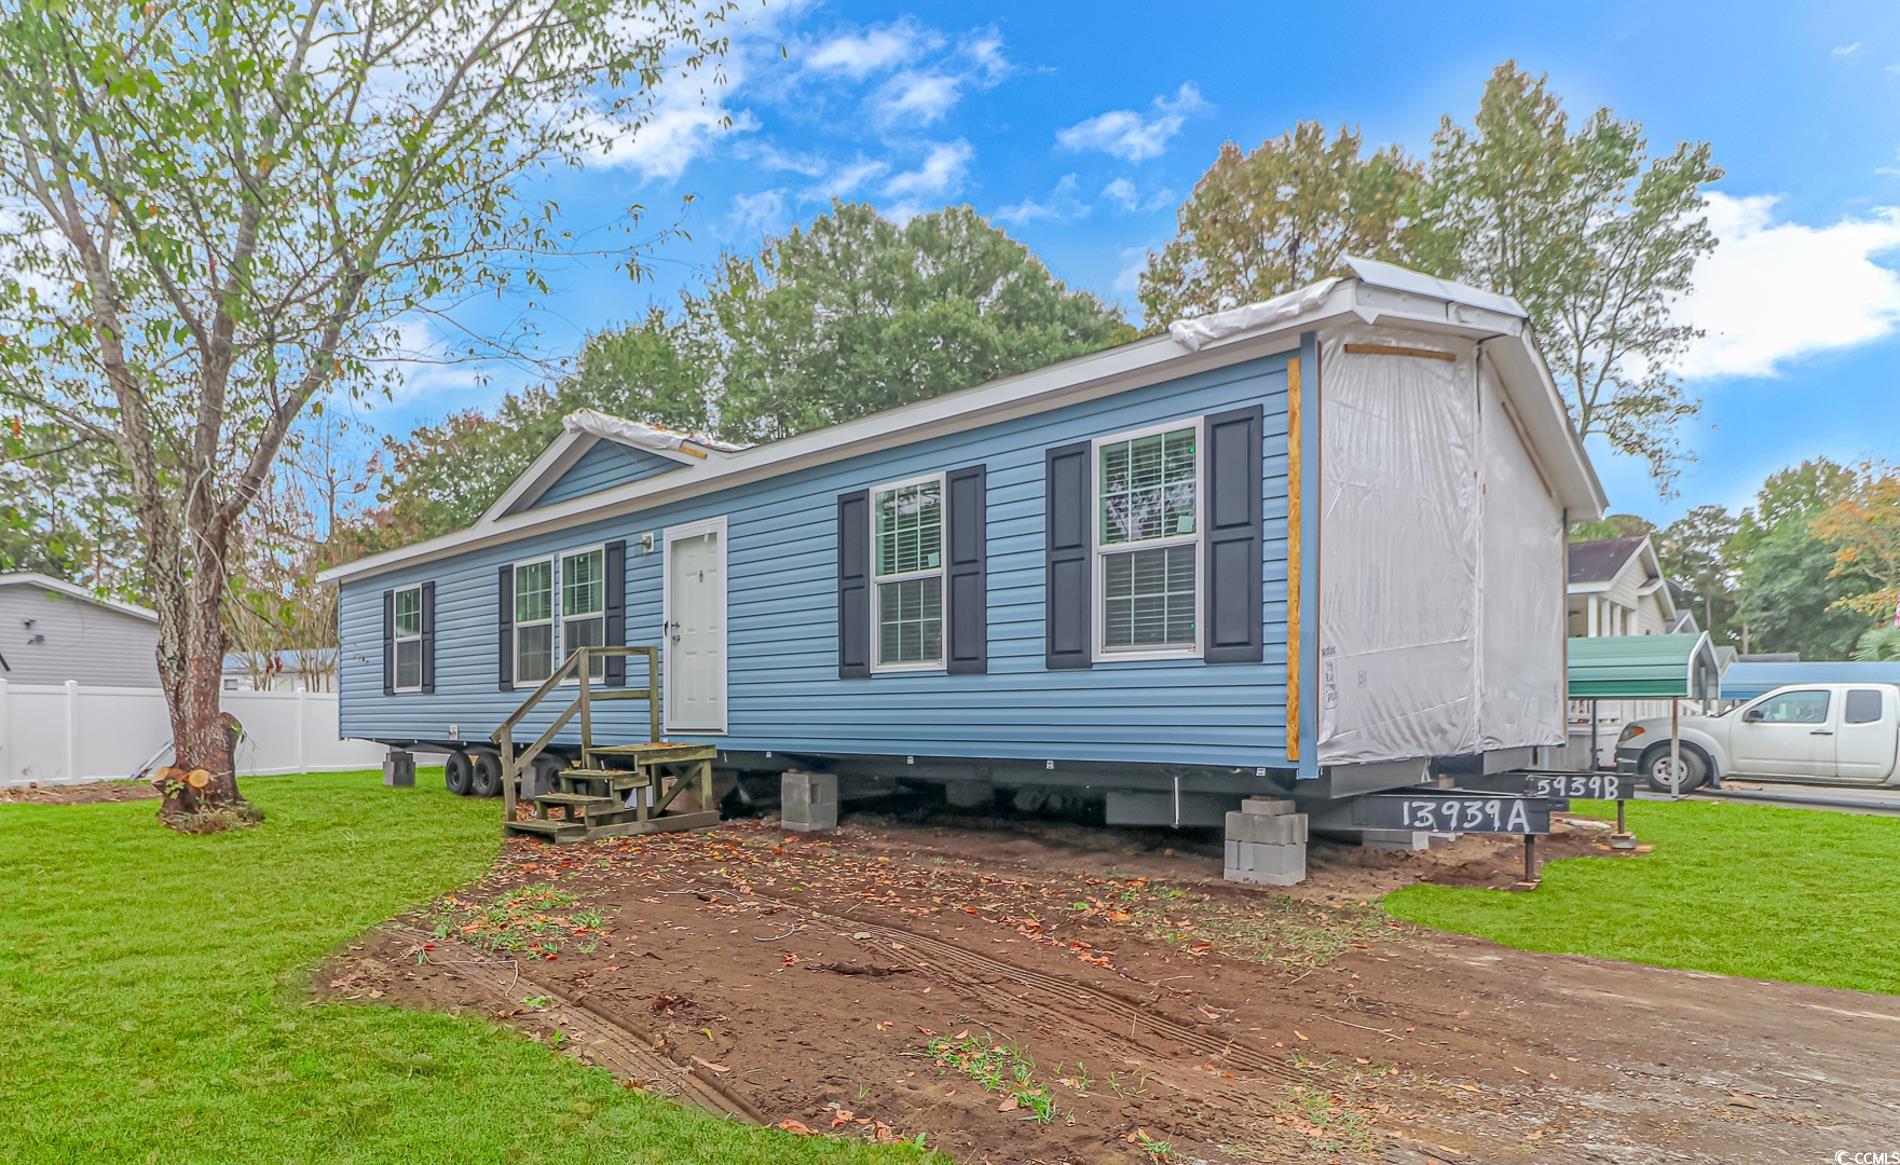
{"points": [[1786, 735], [695, 612]]}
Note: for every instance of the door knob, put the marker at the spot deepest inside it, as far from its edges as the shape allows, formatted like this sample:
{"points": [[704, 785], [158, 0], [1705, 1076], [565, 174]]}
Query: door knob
{"points": [[1821, 732]]}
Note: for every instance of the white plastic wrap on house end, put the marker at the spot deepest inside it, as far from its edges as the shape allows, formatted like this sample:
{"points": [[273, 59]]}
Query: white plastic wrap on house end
{"points": [[1207, 329], [638, 432]]}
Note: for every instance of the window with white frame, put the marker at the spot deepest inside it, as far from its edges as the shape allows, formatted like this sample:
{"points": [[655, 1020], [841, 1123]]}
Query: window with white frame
{"points": [[1148, 542], [907, 568], [584, 605], [534, 621], [408, 637]]}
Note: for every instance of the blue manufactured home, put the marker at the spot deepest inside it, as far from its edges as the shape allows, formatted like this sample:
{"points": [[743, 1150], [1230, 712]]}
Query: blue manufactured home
{"points": [[1319, 539]]}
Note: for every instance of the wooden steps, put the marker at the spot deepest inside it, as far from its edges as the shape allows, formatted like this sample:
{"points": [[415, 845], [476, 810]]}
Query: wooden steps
{"points": [[621, 789]]}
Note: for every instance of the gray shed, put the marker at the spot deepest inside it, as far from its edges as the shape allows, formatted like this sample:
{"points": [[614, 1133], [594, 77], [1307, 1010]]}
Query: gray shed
{"points": [[52, 631]]}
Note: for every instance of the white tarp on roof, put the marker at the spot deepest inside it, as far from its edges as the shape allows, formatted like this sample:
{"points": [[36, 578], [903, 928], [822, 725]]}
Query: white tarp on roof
{"points": [[638, 432], [1191, 334]]}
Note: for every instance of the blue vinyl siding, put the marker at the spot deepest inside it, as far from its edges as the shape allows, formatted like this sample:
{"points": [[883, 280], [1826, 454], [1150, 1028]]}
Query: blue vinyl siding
{"points": [[783, 689], [606, 465]]}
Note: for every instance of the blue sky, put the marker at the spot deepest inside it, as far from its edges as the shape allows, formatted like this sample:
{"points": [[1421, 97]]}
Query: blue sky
{"points": [[1080, 128]]}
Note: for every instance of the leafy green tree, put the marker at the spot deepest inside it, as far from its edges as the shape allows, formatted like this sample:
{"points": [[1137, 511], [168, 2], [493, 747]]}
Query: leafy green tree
{"points": [[1597, 239], [1790, 596], [66, 512], [1879, 645], [444, 476], [855, 314], [223, 211], [1612, 526], [1278, 217], [1798, 494], [1694, 554]]}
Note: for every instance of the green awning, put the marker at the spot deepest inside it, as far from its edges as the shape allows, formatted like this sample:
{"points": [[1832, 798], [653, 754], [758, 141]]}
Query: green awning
{"points": [[1644, 667]]}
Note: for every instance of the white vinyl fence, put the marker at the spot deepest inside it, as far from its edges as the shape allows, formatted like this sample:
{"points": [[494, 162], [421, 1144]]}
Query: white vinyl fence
{"points": [[62, 734]]}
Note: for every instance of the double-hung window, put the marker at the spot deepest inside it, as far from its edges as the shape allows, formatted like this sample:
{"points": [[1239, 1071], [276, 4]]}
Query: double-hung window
{"points": [[408, 639], [907, 569], [534, 621], [1148, 543], [584, 605]]}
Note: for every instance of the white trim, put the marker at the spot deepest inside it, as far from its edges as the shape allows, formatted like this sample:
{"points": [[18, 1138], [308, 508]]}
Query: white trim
{"points": [[668, 536], [561, 455], [74, 590], [397, 639], [1521, 370], [1098, 577], [940, 572], [553, 621]]}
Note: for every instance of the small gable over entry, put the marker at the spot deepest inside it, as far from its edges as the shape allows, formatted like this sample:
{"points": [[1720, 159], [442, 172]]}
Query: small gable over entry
{"points": [[596, 452], [606, 465]]}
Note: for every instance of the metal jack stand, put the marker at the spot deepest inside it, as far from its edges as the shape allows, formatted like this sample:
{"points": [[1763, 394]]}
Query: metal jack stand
{"points": [[1622, 839], [1531, 879]]}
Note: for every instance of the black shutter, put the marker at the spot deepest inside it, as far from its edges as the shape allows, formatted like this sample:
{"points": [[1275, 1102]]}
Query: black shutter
{"points": [[854, 579], [389, 643], [1067, 597], [968, 651], [505, 621], [428, 637], [614, 631], [1233, 514]]}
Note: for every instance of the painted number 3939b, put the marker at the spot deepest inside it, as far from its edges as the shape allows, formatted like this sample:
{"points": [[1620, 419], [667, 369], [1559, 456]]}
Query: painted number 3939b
{"points": [[1469, 815], [1597, 786]]}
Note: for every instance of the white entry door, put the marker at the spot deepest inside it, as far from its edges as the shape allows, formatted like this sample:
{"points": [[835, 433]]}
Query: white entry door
{"points": [[695, 612]]}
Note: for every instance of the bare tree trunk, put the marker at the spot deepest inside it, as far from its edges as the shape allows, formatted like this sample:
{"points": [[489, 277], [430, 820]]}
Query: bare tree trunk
{"points": [[200, 788]]}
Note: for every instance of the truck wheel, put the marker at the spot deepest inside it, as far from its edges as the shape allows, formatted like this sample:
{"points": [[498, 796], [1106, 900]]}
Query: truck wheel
{"points": [[1656, 768], [487, 776], [456, 773]]}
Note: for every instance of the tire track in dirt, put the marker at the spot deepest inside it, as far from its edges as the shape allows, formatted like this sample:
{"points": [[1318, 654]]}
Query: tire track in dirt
{"points": [[1051, 997], [1062, 991], [622, 1051]]}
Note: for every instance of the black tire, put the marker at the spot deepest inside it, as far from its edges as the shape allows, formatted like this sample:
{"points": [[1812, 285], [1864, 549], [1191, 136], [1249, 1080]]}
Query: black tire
{"points": [[487, 777], [457, 773], [542, 772], [1655, 768]]}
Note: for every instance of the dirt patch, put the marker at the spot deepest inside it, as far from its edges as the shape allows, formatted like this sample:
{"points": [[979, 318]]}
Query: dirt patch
{"points": [[1035, 995], [86, 794]]}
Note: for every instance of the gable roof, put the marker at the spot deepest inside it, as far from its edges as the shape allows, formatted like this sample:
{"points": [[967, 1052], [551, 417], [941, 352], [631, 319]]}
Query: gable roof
{"points": [[75, 591], [583, 429], [1375, 294], [1643, 667], [1602, 560]]}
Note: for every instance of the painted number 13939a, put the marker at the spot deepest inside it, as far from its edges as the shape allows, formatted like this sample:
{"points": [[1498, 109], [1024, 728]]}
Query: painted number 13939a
{"points": [[1472, 815]]}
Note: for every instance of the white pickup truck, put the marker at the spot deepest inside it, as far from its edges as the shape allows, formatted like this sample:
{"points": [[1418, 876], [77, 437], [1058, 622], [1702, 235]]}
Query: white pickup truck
{"points": [[1846, 734]]}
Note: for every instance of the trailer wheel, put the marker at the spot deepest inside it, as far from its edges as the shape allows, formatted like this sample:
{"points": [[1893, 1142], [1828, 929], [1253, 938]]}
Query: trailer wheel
{"points": [[1656, 768], [487, 775], [457, 772], [541, 774]]}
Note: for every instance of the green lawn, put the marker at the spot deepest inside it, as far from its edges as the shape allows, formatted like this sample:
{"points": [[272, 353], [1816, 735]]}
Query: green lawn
{"points": [[1769, 893], [154, 1001]]}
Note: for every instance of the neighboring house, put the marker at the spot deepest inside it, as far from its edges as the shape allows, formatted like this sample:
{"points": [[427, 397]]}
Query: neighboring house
{"points": [[1282, 542], [1616, 587], [52, 631], [308, 670]]}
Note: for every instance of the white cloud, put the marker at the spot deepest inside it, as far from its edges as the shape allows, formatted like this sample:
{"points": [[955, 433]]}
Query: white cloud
{"points": [[940, 175], [1063, 205], [1844, 50], [679, 132], [422, 361], [1127, 197], [758, 214], [984, 50], [857, 55], [1128, 279], [845, 179], [1133, 136], [1773, 291], [916, 99]]}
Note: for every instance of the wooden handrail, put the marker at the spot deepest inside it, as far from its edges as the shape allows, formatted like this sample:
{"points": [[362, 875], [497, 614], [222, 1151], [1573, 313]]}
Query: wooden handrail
{"points": [[578, 663]]}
